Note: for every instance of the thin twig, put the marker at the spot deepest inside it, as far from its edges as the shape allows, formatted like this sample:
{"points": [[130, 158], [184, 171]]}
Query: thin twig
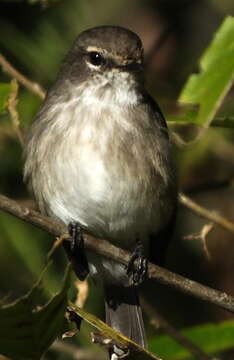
{"points": [[108, 250], [202, 236], [22, 79], [12, 104], [206, 213], [226, 122], [58, 241], [158, 321]]}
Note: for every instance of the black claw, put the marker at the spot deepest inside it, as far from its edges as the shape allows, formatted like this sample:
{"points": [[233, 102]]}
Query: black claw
{"points": [[74, 247], [138, 266], [77, 239]]}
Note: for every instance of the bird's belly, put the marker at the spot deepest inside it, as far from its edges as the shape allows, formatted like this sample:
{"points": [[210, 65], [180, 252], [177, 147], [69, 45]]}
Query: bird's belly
{"points": [[105, 197]]}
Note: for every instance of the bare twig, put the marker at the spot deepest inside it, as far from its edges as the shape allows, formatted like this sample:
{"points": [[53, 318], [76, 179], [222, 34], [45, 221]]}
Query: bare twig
{"points": [[158, 321], [206, 213], [12, 104], [106, 249], [30, 85], [220, 121], [58, 241], [202, 235]]}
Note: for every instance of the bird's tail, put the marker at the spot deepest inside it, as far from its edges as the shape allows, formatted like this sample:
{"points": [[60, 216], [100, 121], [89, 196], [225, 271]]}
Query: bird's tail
{"points": [[123, 312]]}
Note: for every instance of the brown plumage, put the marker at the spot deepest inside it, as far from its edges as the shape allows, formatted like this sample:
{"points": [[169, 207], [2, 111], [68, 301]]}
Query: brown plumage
{"points": [[98, 153]]}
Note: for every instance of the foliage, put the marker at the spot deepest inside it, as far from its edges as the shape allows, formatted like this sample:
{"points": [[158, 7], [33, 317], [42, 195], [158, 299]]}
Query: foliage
{"points": [[29, 328], [209, 337], [109, 333], [209, 87]]}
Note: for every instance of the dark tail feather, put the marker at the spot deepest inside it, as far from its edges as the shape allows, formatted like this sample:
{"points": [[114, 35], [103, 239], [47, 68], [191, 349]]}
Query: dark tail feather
{"points": [[123, 312]]}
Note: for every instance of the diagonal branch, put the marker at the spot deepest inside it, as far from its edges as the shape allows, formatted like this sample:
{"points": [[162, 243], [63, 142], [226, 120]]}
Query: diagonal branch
{"points": [[30, 85], [206, 213], [106, 249], [12, 107]]}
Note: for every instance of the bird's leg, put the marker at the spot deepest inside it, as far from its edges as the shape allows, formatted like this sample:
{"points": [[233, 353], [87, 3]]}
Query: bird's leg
{"points": [[76, 236], [74, 247], [138, 265]]}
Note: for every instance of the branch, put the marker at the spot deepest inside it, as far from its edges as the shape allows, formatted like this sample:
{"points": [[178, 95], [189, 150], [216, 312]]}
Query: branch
{"points": [[30, 85], [202, 236], [108, 250], [226, 122], [206, 213], [12, 107]]}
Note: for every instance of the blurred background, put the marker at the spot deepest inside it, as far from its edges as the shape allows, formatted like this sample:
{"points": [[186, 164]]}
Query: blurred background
{"points": [[34, 36]]}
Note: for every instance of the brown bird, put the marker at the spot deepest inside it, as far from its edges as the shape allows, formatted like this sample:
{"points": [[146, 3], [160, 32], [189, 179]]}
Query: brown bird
{"points": [[98, 156]]}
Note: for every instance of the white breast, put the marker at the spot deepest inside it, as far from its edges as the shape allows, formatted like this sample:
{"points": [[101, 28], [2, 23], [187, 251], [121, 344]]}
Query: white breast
{"points": [[96, 186], [95, 175]]}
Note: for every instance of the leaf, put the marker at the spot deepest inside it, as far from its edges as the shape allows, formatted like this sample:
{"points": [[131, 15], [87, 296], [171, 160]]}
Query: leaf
{"points": [[16, 236], [26, 330], [211, 338], [209, 87], [109, 333], [5, 90]]}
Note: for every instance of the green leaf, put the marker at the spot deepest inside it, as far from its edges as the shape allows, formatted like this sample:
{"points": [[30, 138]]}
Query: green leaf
{"points": [[23, 241], [212, 338], [209, 87], [27, 330], [136, 350], [5, 90]]}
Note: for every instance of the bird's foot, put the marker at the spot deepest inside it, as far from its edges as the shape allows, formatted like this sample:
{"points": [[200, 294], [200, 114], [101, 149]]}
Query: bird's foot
{"points": [[74, 247], [138, 266], [76, 236]]}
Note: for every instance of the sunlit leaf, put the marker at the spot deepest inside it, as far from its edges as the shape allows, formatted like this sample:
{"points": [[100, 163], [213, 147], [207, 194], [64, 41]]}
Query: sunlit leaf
{"points": [[211, 338], [108, 332], [209, 87]]}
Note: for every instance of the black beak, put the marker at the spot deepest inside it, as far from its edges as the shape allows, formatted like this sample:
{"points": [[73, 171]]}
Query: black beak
{"points": [[132, 67]]}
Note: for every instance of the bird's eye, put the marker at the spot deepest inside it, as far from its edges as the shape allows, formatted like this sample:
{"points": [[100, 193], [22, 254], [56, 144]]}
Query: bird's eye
{"points": [[96, 58]]}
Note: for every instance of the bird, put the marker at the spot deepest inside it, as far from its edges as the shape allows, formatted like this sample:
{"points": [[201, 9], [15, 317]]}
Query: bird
{"points": [[98, 158]]}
